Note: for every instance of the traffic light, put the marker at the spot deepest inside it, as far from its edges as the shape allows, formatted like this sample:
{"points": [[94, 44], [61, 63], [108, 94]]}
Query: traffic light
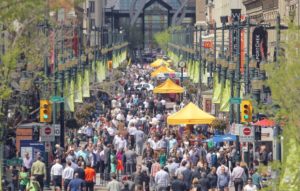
{"points": [[45, 111], [246, 111]]}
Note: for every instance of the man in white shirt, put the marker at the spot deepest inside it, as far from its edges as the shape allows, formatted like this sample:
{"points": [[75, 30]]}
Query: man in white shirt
{"points": [[237, 177], [56, 173], [117, 138], [121, 143], [162, 180], [27, 161], [67, 174], [250, 186]]}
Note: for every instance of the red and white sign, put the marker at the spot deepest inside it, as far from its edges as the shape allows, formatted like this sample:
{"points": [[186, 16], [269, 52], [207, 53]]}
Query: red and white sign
{"points": [[246, 134], [47, 134], [247, 131], [48, 130]]}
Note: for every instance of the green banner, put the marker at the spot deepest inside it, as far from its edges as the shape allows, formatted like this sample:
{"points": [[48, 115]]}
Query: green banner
{"points": [[217, 90], [86, 84], [204, 74], [78, 88], [103, 70], [197, 70], [92, 72], [66, 94], [225, 99], [98, 71], [69, 95]]}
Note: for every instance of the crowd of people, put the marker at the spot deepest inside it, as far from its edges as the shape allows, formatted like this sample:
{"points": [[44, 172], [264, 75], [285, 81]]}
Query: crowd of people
{"points": [[133, 149]]}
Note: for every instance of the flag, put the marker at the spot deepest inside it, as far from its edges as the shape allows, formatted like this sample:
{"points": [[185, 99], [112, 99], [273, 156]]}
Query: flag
{"points": [[69, 95], [92, 72], [197, 66], [78, 88], [98, 71], [204, 75], [52, 50], [225, 99], [129, 62], [86, 84], [217, 90], [104, 72], [75, 44]]}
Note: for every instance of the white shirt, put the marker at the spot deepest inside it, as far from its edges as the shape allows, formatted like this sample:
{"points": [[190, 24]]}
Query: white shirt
{"points": [[121, 144], [146, 104], [57, 170], [153, 144], [162, 178], [111, 131], [116, 139], [27, 162], [132, 130], [68, 173], [102, 155], [250, 188]]}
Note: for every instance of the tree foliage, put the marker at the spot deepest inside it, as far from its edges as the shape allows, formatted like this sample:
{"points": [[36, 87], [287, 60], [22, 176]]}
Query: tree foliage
{"points": [[283, 80], [164, 37]]}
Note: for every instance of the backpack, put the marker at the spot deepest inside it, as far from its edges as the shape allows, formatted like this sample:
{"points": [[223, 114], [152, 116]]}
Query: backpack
{"points": [[214, 159]]}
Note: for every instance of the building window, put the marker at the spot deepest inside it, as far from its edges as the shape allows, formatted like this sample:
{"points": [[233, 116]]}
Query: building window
{"points": [[92, 23], [92, 6]]}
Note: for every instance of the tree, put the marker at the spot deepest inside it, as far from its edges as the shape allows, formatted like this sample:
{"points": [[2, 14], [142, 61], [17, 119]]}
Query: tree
{"points": [[283, 80], [164, 37], [25, 45]]}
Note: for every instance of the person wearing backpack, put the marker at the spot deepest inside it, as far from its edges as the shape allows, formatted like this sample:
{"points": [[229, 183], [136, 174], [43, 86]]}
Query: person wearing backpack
{"points": [[214, 159]]}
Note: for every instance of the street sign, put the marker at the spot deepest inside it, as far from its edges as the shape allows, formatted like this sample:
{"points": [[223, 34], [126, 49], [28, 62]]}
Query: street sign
{"points": [[235, 100], [56, 130], [47, 130], [57, 99], [246, 134], [47, 134], [235, 128], [247, 131]]}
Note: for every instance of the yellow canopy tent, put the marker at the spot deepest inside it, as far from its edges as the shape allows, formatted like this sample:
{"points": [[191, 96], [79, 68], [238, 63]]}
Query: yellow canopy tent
{"points": [[190, 114], [162, 69], [168, 86], [158, 63]]}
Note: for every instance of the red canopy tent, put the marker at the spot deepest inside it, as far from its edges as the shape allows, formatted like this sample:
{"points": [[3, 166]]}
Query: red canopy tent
{"points": [[265, 123]]}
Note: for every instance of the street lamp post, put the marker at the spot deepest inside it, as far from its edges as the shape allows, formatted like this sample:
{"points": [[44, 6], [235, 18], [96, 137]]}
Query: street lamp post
{"points": [[182, 65]]}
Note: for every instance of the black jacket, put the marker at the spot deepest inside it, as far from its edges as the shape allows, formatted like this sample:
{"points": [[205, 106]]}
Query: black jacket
{"points": [[178, 185]]}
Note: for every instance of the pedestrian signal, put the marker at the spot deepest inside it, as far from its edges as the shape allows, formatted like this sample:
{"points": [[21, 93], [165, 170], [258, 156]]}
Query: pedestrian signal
{"points": [[246, 111], [45, 111]]}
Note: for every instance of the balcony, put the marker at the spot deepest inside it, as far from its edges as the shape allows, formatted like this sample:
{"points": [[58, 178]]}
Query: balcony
{"points": [[247, 2]]}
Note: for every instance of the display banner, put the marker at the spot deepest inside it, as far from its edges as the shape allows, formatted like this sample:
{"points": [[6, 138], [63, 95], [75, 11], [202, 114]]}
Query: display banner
{"points": [[260, 44]]}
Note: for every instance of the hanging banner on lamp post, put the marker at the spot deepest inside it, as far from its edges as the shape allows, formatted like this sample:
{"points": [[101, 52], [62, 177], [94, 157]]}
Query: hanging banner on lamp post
{"points": [[260, 43]]}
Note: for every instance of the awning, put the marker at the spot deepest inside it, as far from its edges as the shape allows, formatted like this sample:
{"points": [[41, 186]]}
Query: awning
{"points": [[159, 62], [265, 123], [221, 138], [168, 86], [190, 114], [162, 69]]}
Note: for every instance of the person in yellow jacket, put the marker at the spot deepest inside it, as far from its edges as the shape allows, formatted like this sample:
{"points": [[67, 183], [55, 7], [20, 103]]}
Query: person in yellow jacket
{"points": [[33, 185]]}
